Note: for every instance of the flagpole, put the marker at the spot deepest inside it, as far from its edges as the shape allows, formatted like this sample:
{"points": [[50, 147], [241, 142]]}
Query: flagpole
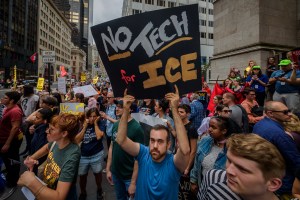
{"points": [[15, 77]]}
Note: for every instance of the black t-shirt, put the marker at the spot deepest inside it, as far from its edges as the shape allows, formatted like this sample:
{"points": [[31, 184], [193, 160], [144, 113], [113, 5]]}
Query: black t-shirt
{"points": [[191, 131], [90, 145]]}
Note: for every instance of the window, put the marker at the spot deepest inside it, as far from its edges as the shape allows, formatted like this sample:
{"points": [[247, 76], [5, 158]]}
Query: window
{"points": [[210, 23], [139, 1], [202, 34], [210, 11], [210, 36], [202, 10], [149, 2], [171, 4], [203, 60], [161, 3], [134, 11], [203, 22]]}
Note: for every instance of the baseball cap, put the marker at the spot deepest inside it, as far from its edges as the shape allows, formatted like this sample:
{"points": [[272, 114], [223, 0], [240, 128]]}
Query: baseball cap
{"points": [[256, 67], [285, 62]]}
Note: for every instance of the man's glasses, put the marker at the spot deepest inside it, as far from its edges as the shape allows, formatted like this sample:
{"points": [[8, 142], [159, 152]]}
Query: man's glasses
{"points": [[282, 111], [109, 97], [227, 111]]}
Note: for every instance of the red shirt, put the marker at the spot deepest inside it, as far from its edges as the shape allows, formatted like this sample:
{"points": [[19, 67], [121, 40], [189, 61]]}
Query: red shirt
{"points": [[9, 115]]}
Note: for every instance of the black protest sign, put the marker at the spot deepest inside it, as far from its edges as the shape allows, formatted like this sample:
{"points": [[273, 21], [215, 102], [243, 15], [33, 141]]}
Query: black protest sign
{"points": [[185, 192], [149, 53]]}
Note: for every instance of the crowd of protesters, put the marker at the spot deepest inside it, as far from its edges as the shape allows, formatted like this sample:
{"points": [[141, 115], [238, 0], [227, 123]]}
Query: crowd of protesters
{"points": [[242, 143]]}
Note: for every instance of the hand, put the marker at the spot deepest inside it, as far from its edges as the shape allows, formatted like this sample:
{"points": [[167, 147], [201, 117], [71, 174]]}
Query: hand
{"points": [[31, 129], [131, 189], [194, 188], [109, 177], [186, 172], [283, 79], [85, 124], [26, 178], [30, 162], [97, 120], [173, 98], [102, 114], [5, 148], [127, 100]]}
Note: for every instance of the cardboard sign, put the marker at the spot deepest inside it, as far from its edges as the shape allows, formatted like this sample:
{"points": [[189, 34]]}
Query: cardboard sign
{"points": [[40, 84], [83, 77], [61, 85], [149, 53], [184, 192], [72, 108], [86, 90]]}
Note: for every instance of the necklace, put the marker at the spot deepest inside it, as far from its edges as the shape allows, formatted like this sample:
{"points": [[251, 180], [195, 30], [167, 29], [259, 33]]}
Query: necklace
{"points": [[219, 143]]}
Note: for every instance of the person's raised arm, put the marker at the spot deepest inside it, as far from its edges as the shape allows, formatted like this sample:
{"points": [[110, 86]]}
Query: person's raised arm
{"points": [[181, 158], [99, 133], [127, 144], [294, 80]]}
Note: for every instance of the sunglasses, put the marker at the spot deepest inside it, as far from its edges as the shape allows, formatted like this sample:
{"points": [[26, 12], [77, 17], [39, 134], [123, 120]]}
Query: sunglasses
{"points": [[282, 111], [227, 111]]}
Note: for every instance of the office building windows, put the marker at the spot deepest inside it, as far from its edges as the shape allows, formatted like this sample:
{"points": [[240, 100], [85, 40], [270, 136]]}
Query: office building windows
{"points": [[202, 34]]}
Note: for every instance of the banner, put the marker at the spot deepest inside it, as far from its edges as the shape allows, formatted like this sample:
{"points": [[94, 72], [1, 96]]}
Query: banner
{"points": [[33, 57], [86, 90], [296, 57], [72, 108], [149, 53], [40, 84], [61, 85]]}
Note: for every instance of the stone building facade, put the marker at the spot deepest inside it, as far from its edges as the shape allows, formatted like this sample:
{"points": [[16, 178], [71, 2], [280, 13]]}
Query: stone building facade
{"points": [[252, 30]]}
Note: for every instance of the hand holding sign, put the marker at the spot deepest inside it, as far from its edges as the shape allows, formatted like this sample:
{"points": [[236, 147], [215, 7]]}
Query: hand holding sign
{"points": [[173, 98], [127, 100]]}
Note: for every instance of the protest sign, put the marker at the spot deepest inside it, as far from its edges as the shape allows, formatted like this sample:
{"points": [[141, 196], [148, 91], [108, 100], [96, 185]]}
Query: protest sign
{"points": [[61, 85], [40, 84], [72, 108], [150, 52], [296, 57], [86, 90], [147, 122]]}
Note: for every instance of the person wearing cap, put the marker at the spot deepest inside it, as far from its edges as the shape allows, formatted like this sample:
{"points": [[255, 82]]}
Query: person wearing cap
{"points": [[286, 90], [121, 168], [258, 81]]}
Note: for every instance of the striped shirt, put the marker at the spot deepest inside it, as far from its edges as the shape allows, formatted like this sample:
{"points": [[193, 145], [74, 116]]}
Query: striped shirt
{"points": [[214, 186]]}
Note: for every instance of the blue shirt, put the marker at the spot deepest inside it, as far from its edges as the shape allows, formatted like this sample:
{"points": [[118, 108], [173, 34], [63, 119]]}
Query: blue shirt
{"points": [[156, 180], [203, 149], [111, 112], [256, 84], [283, 87], [197, 113], [274, 133]]}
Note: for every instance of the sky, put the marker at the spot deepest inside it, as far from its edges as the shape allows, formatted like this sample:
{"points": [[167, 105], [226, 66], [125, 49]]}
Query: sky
{"points": [[106, 10]]}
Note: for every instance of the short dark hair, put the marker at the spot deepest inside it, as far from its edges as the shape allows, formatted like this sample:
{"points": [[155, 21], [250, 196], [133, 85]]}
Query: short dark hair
{"points": [[27, 90], [51, 101], [46, 114], [159, 127], [92, 110], [13, 95], [248, 90], [185, 107], [164, 104], [80, 96]]}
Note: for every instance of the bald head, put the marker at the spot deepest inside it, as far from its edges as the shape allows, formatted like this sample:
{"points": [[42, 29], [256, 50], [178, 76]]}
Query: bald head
{"points": [[273, 105], [277, 111]]}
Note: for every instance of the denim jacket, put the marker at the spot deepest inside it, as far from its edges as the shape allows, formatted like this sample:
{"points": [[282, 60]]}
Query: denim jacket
{"points": [[203, 149]]}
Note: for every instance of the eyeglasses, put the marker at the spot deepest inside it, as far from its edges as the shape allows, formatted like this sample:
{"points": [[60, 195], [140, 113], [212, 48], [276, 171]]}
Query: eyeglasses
{"points": [[252, 94], [282, 111], [110, 97], [227, 111]]}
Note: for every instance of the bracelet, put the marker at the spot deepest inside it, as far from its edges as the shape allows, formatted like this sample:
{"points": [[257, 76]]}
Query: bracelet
{"points": [[39, 191]]}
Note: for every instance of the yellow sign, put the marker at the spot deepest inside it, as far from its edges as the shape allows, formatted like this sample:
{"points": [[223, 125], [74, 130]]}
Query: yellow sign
{"points": [[40, 84], [95, 79], [83, 77], [72, 108]]}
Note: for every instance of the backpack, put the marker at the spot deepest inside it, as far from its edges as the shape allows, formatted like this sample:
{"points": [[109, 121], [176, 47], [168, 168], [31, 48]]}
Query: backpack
{"points": [[244, 119]]}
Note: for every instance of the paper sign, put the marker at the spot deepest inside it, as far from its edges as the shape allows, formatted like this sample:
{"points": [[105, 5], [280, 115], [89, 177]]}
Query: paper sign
{"points": [[61, 85], [149, 53], [86, 90], [72, 108], [83, 77], [40, 84]]}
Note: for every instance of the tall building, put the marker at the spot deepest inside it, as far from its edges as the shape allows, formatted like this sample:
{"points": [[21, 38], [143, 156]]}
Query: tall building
{"points": [[131, 7], [54, 34], [253, 30], [78, 61], [18, 37]]}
